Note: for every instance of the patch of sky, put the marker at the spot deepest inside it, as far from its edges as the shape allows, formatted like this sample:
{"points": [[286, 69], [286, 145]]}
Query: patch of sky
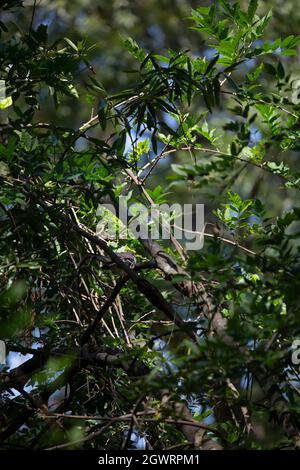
{"points": [[81, 144], [255, 136], [209, 53], [137, 440], [165, 362], [249, 64], [246, 381], [49, 19], [157, 35], [238, 270], [254, 219], [293, 374], [15, 359]]}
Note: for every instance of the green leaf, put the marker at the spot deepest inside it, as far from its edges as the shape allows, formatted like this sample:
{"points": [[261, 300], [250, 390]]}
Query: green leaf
{"points": [[71, 43], [280, 70], [134, 49], [6, 102], [279, 169], [270, 69], [211, 64], [252, 9]]}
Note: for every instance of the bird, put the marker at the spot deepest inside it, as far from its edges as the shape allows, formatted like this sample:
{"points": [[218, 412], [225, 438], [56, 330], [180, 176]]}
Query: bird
{"points": [[128, 257], [216, 230]]}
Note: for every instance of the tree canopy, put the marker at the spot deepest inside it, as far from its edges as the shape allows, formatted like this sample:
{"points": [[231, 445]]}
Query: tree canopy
{"points": [[186, 347]]}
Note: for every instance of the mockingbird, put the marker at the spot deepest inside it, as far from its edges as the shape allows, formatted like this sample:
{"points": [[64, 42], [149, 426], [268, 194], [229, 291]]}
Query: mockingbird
{"points": [[127, 257]]}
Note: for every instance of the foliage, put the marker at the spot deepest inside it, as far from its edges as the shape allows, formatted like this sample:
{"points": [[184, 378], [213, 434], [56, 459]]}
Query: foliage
{"points": [[186, 337]]}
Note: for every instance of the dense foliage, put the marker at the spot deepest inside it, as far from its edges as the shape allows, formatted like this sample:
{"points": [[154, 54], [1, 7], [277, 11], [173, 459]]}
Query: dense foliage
{"points": [[187, 348]]}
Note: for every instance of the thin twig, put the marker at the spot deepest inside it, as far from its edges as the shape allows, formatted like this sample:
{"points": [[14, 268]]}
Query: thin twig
{"points": [[32, 16], [109, 301]]}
